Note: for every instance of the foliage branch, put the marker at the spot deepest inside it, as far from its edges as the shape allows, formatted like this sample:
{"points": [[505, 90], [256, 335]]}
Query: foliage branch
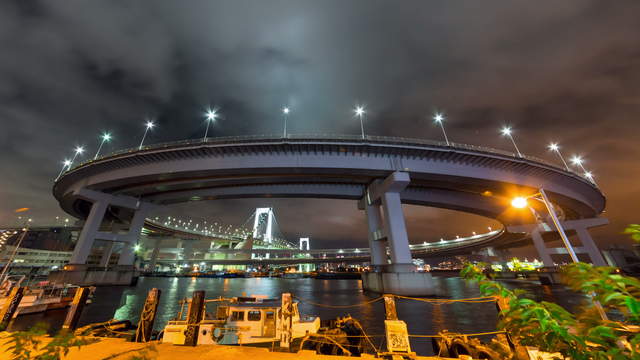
{"points": [[552, 328]]}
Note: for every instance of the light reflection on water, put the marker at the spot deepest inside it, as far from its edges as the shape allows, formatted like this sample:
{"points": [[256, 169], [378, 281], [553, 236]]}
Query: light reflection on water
{"points": [[421, 318]]}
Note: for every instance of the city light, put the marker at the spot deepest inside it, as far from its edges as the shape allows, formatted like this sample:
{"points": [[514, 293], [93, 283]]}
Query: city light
{"points": [[439, 118], [555, 148], [285, 115], [106, 137], [147, 126], [506, 131], [211, 116], [359, 110], [519, 202]]}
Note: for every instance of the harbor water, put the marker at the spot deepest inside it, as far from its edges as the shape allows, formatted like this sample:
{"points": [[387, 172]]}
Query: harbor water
{"points": [[324, 298]]}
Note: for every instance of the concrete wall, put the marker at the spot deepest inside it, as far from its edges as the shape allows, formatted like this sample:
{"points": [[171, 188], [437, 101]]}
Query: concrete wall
{"points": [[399, 283], [97, 277]]}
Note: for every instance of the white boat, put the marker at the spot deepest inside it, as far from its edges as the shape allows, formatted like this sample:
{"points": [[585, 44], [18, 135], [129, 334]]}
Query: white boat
{"points": [[250, 320]]}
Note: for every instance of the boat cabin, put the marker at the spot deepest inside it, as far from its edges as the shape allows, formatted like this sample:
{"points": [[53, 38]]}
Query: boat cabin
{"points": [[249, 320]]}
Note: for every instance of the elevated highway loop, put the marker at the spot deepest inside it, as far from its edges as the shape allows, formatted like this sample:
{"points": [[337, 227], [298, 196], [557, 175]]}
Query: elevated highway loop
{"points": [[379, 172]]}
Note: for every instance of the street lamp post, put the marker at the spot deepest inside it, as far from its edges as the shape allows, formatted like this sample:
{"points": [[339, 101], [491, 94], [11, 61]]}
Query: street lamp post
{"points": [[360, 113], [577, 160], [77, 151], [147, 126], [285, 115], [211, 116], [5, 270], [521, 202], [555, 148], [439, 118], [506, 131], [105, 138], [65, 165]]}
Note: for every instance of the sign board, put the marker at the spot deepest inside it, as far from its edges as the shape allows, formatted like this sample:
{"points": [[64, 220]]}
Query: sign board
{"points": [[397, 336]]}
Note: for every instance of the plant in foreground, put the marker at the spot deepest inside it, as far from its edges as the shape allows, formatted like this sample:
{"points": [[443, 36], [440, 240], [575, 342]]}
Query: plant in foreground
{"points": [[552, 328]]}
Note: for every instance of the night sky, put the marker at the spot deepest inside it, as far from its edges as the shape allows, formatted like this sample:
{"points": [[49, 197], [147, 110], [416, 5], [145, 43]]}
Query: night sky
{"points": [[565, 71]]}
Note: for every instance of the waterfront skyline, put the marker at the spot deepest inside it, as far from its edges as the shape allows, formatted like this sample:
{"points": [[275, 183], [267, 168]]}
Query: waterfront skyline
{"points": [[77, 70]]}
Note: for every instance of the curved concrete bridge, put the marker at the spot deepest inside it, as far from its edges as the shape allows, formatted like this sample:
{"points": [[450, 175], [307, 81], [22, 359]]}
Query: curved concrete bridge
{"points": [[380, 173]]}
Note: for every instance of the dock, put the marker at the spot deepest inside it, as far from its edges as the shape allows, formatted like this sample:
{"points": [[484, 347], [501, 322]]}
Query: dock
{"points": [[121, 349]]}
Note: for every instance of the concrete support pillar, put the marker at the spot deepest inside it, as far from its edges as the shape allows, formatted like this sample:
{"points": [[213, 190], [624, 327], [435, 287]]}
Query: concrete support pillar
{"points": [[378, 247], [132, 237], [154, 254], [106, 254], [538, 242], [187, 250], [396, 232], [590, 246], [88, 234]]}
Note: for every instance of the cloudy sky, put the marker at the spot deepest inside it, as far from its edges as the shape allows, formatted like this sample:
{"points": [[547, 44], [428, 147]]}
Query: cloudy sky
{"points": [[559, 71]]}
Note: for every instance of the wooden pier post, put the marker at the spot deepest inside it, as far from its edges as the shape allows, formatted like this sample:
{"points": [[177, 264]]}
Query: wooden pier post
{"points": [[148, 316], [194, 316], [395, 330], [390, 307], [10, 306], [286, 320], [74, 312]]}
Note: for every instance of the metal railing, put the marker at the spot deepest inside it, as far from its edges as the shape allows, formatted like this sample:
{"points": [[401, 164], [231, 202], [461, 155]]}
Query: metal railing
{"points": [[324, 137]]}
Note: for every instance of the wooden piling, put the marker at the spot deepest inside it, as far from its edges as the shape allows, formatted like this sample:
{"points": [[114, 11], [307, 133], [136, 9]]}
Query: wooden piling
{"points": [[194, 316], [10, 306], [148, 316], [74, 312], [286, 320], [390, 307]]}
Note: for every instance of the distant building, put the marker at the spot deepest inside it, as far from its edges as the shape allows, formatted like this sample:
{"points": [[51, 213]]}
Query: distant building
{"points": [[43, 249]]}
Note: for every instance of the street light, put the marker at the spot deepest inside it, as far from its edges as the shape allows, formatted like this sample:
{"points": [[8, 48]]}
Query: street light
{"points": [[211, 116], [555, 148], [105, 138], [521, 202], [285, 114], [506, 131], [65, 165], [147, 126], [439, 118], [577, 160], [359, 110], [77, 151]]}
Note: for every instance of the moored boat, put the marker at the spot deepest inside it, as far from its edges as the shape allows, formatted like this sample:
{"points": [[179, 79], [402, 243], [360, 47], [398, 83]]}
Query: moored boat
{"points": [[244, 320]]}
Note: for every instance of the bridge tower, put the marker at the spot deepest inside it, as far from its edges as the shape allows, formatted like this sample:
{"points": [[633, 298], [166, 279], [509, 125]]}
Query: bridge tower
{"points": [[304, 243], [263, 224]]}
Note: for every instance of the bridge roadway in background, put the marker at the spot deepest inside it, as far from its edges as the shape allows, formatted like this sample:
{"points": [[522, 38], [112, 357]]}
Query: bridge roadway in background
{"points": [[378, 172]]}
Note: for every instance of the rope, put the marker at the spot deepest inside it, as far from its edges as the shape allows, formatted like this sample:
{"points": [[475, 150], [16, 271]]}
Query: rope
{"points": [[476, 300], [107, 327], [456, 334], [339, 306]]}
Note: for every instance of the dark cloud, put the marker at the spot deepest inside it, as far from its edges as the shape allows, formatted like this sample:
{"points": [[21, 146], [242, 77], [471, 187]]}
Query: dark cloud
{"points": [[567, 72]]}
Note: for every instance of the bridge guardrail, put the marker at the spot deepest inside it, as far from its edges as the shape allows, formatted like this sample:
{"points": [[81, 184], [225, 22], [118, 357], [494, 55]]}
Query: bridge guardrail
{"points": [[392, 140]]}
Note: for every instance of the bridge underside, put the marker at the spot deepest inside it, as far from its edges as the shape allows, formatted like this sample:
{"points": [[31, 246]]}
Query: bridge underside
{"points": [[379, 173]]}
